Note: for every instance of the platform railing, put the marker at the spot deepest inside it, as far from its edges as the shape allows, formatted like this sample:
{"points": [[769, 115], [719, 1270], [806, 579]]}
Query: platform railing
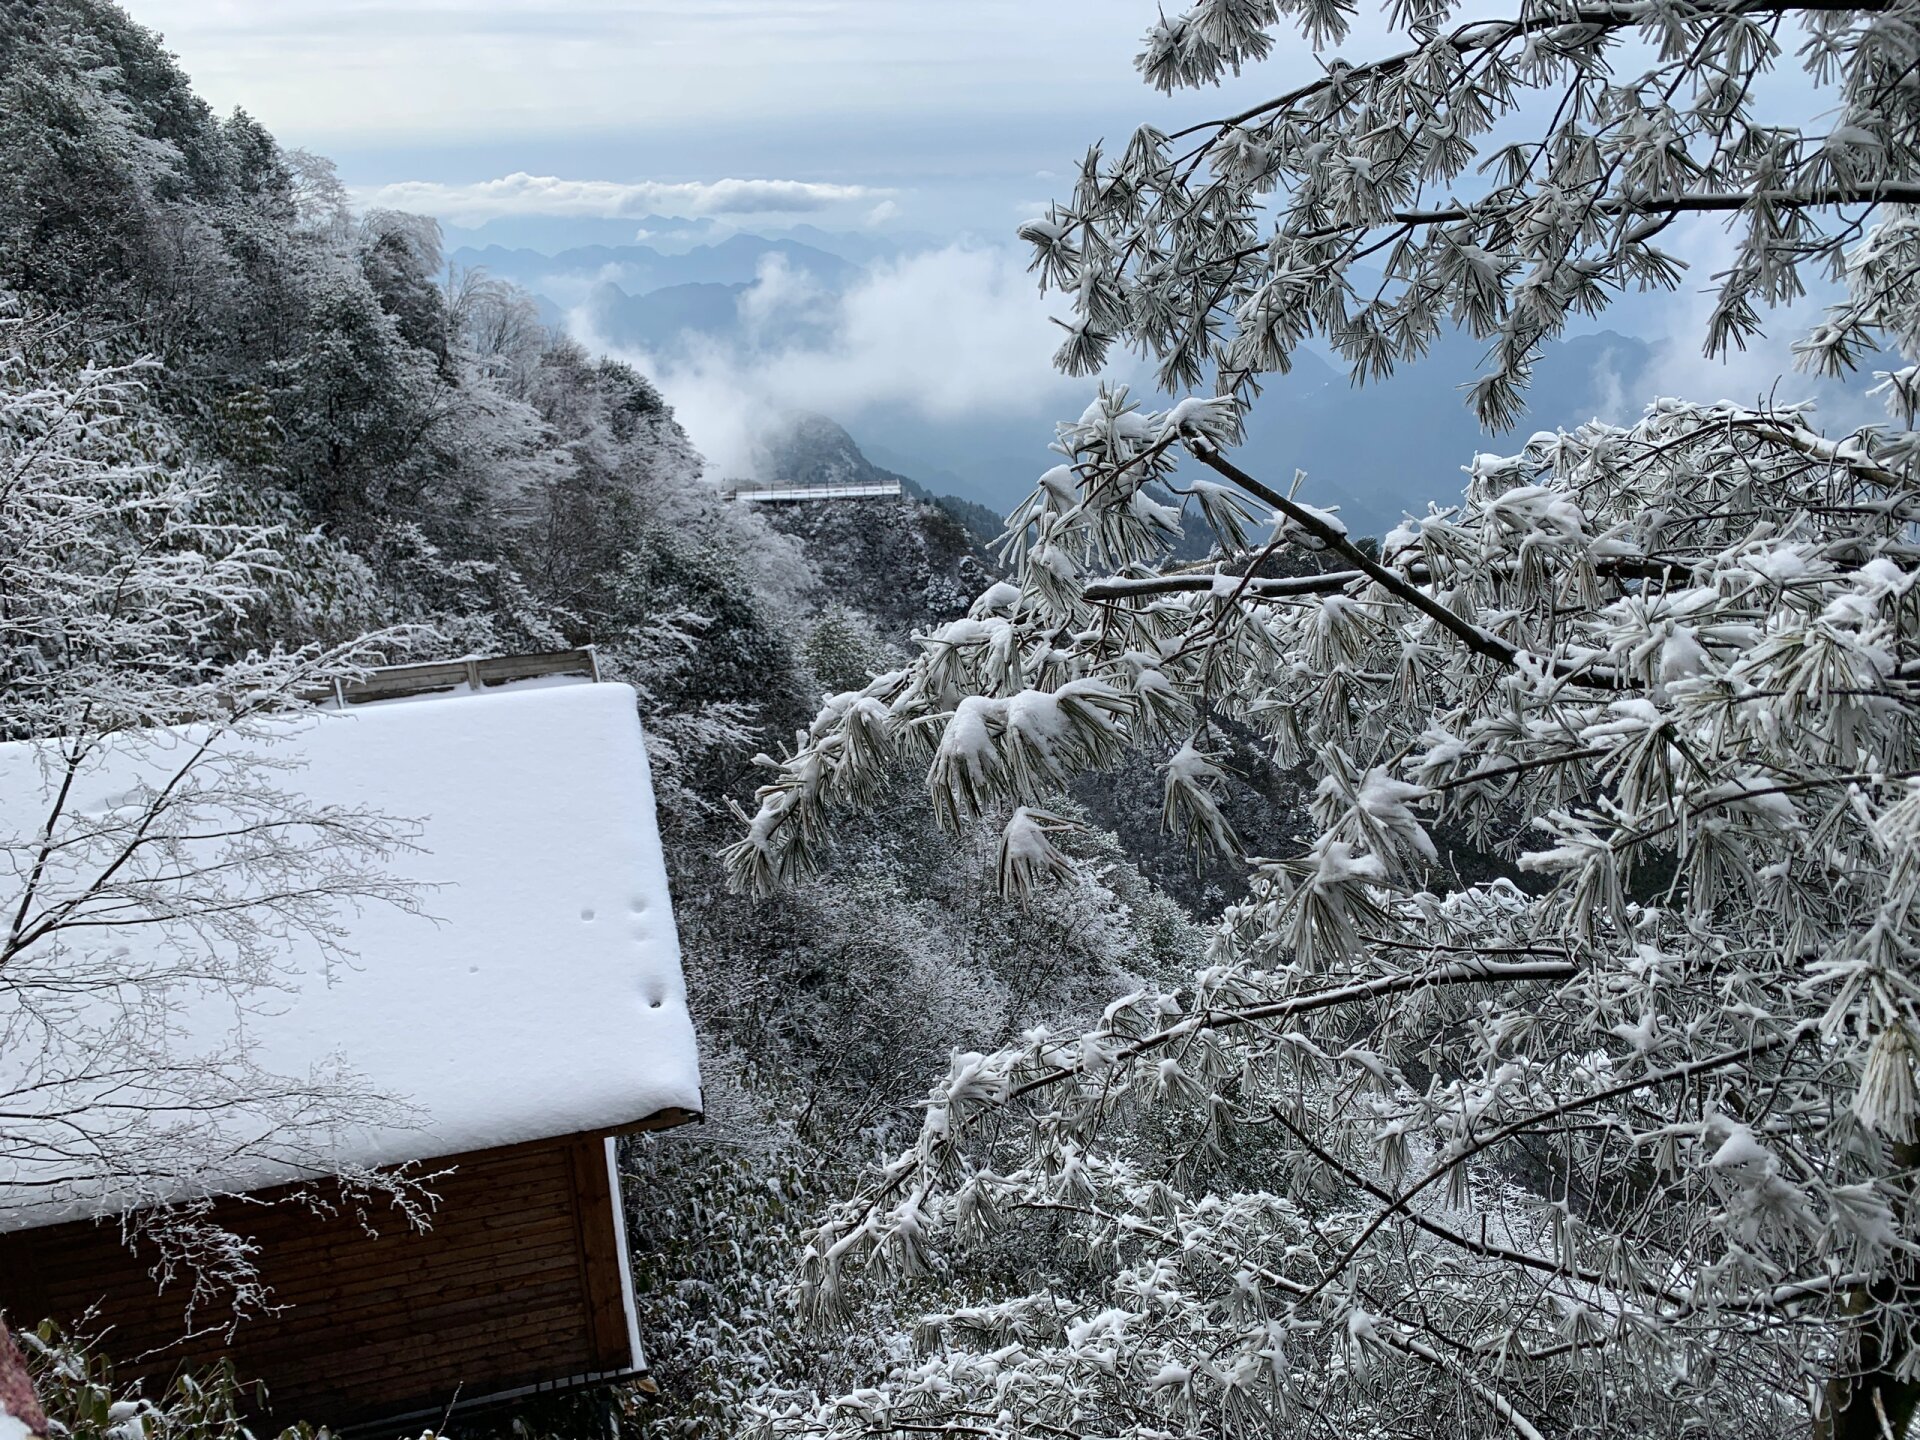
{"points": [[831, 490]]}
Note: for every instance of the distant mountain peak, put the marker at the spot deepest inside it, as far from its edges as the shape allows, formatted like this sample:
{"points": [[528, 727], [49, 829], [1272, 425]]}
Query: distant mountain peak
{"points": [[802, 448]]}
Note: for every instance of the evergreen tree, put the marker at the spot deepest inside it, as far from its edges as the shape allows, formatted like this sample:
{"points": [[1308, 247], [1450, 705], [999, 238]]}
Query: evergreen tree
{"points": [[1622, 1141]]}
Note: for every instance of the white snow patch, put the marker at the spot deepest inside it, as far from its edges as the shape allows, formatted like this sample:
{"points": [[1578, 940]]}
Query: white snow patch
{"points": [[1741, 1154], [539, 995], [636, 1354]]}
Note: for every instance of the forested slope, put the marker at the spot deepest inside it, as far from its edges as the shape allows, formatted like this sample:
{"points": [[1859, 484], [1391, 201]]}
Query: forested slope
{"points": [[439, 462]]}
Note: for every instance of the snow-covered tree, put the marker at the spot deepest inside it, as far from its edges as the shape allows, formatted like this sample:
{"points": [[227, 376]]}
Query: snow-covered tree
{"points": [[167, 816], [1621, 1141]]}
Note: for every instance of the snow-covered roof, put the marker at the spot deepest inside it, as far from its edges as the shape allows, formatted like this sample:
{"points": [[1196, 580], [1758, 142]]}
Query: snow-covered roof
{"points": [[538, 994]]}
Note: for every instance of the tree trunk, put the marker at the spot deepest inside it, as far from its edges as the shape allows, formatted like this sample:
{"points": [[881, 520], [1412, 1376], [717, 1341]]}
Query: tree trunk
{"points": [[1869, 1402]]}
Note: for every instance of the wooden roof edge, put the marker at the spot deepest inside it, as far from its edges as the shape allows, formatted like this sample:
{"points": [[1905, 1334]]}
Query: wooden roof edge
{"points": [[476, 673], [671, 1118]]}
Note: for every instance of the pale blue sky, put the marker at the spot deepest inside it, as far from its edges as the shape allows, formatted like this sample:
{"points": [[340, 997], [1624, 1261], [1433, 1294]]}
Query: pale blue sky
{"points": [[953, 108], [941, 123]]}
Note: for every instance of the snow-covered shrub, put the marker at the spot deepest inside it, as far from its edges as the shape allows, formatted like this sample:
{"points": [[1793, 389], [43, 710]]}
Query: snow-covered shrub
{"points": [[821, 1012], [713, 1225], [84, 1401]]}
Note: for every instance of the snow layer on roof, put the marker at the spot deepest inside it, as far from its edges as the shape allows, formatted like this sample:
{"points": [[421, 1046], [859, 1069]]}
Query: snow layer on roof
{"points": [[540, 992]]}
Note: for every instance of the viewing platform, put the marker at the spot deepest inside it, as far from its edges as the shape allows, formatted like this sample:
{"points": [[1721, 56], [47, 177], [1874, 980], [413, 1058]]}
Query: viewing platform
{"points": [[781, 494]]}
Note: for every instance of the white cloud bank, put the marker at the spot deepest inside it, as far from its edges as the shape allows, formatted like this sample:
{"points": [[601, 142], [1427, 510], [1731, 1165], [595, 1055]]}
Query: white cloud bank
{"points": [[522, 194], [946, 334]]}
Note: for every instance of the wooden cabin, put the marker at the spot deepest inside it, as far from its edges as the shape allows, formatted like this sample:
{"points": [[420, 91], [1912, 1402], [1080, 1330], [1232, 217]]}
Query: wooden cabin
{"points": [[534, 1012]]}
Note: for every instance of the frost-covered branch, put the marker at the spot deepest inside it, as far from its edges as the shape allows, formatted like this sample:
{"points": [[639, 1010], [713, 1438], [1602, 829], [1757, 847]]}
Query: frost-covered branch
{"points": [[1617, 1096], [150, 800], [1226, 254], [1571, 1056]]}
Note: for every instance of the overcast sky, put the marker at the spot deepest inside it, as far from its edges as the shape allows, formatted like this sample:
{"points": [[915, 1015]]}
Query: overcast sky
{"points": [[925, 116], [951, 111], [942, 124]]}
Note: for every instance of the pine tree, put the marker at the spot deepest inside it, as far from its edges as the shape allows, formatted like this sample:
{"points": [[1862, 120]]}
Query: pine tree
{"points": [[1621, 1140]]}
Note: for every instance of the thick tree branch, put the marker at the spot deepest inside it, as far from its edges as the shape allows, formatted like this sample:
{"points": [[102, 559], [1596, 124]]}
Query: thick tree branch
{"points": [[1701, 202], [1463, 972], [1334, 537], [1399, 1204]]}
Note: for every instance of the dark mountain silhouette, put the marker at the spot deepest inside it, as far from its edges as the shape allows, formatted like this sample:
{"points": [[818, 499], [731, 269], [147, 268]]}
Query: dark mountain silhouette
{"points": [[806, 449], [641, 268]]}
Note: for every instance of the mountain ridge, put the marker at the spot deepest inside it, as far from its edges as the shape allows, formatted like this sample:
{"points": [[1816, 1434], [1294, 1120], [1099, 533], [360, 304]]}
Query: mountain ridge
{"points": [[735, 260]]}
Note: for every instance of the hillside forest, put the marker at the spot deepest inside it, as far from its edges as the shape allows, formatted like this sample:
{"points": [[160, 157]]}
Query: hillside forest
{"points": [[438, 465], [1168, 965]]}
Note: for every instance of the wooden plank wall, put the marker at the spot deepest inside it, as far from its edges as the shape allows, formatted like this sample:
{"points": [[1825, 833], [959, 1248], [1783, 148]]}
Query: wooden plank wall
{"points": [[516, 1284]]}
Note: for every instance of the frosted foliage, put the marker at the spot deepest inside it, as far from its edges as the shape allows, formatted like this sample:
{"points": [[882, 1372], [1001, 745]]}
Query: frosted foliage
{"points": [[122, 597], [1531, 1150], [1616, 1134], [1504, 174]]}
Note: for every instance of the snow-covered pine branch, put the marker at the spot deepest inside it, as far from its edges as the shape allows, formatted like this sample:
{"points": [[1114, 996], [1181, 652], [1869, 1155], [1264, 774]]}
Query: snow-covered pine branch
{"points": [[1670, 1096], [1623, 1140], [1376, 207]]}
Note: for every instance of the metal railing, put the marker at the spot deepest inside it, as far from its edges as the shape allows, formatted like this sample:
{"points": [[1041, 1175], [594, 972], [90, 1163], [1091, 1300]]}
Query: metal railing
{"points": [[830, 490]]}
